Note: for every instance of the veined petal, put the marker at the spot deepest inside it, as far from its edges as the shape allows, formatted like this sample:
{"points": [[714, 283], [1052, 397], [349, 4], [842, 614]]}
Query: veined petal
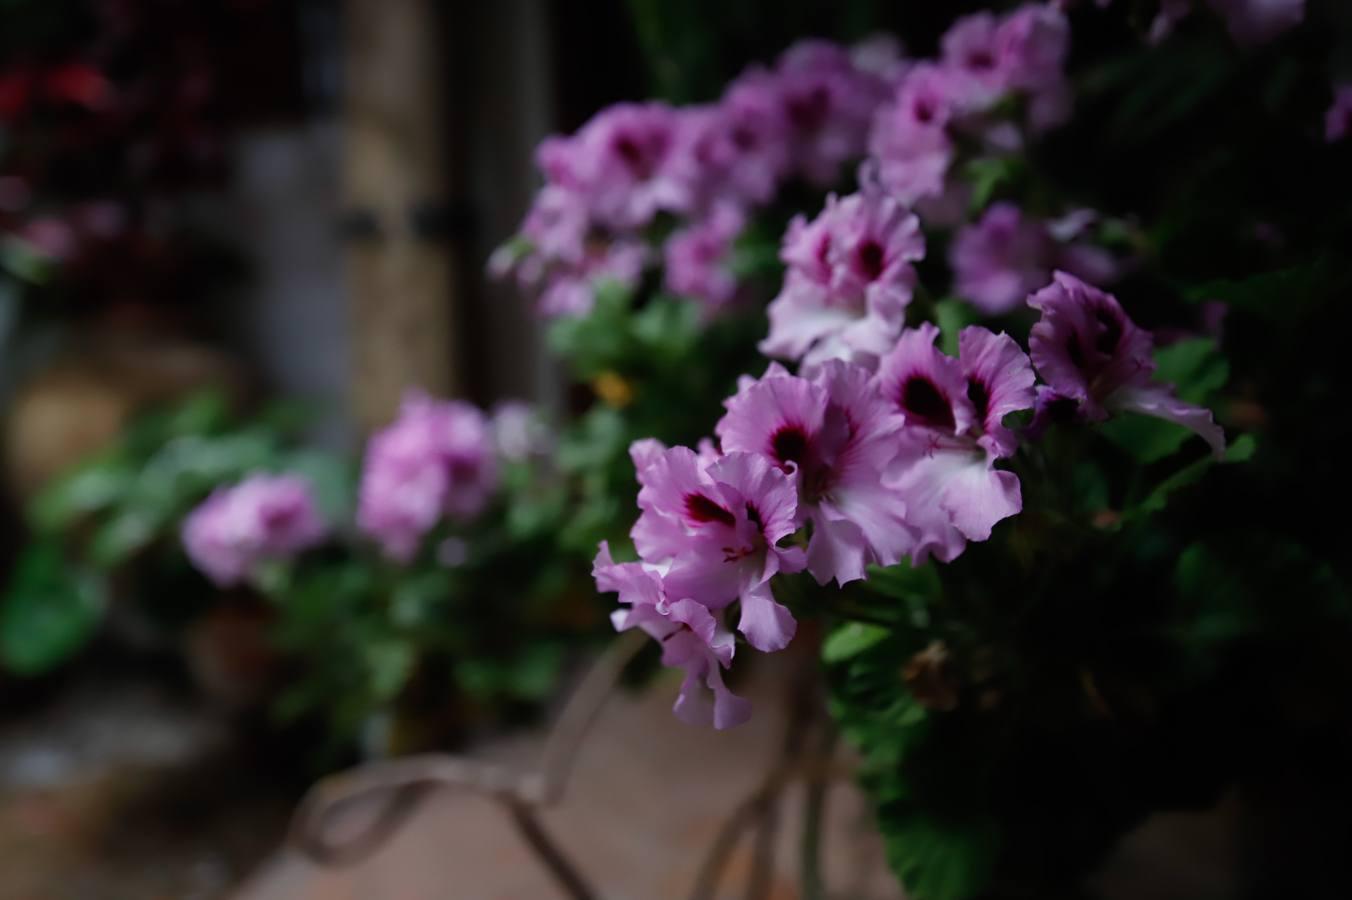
{"points": [[999, 382], [836, 551], [768, 625], [1159, 400]]}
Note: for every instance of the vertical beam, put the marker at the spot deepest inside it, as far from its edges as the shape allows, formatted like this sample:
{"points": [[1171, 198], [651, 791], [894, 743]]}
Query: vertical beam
{"points": [[400, 285]]}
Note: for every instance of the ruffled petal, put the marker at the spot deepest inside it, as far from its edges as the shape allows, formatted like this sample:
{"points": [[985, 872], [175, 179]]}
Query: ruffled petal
{"points": [[999, 381], [767, 625], [837, 550], [1159, 400], [729, 709]]}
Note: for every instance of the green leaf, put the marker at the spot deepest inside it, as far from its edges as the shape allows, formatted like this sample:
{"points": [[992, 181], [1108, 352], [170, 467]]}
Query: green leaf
{"points": [[755, 253], [1146, 438], [952, 315], [904, 581], [1197, 370], [1195, 367], [598, 436], [987, 175], [851, 639], [389, 664], [668, 326], [123, 536], [25, 262], [600, 340], [90, 488], [330, 478], [1240, 450], [1283, 297], [48, 613], [939, 860], [1215, 597], [535, 673]]}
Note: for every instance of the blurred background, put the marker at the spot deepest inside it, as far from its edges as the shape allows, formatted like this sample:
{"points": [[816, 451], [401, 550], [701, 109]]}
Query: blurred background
{"points": [[233, 233]]}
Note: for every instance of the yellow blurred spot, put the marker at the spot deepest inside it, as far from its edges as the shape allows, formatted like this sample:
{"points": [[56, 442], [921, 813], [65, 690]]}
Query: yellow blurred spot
{"points": [[613, 389]]}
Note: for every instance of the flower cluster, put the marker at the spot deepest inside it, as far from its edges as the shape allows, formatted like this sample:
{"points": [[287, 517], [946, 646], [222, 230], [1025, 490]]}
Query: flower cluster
{"points": [[957, 99], [264, 517], [808, 117], [1002, 258], [1250, 22], [849, 279], [1096, 361], [818, 112], [850, 465], [435, 461]]}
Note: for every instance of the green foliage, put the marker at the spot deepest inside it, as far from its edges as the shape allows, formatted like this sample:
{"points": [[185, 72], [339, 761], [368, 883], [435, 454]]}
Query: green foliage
{"points": [[1198, 370], [939, 860], [690, 61], [50, 610], [952, 315], [137, 493], [119, 514], [851, 639], [1282, 298]]}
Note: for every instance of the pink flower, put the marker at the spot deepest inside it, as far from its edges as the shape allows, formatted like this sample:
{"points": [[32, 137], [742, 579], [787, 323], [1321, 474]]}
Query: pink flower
{"points": [[881, 58], [691, 636], [1254, 22], [849, 280], [1093, 356], [697, 258], [827, 105], [571, 290], [973, 54], [984, 59], [1033, 43], [625, 163], [435, 461], [998, 261], [738, 150], [1338, 119], [264, 517], [836, 436], [909, 141], [954, 432], [988, 58], [564, 258], [714, 526], [1250, 22]]}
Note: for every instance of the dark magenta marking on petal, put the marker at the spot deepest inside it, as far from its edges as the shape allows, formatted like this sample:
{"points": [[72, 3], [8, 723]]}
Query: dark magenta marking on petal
{"points": [[980, 395], [754, 516], [924, 402], [982, 60], [1074, 352], [808, 111], [629, 151], [744, 138], [702, 509], [872, 259], [1111, 334], [789, 445]]}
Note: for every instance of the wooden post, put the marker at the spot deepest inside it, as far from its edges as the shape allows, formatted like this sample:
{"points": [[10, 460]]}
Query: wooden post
{"points": [[400, 285]]}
